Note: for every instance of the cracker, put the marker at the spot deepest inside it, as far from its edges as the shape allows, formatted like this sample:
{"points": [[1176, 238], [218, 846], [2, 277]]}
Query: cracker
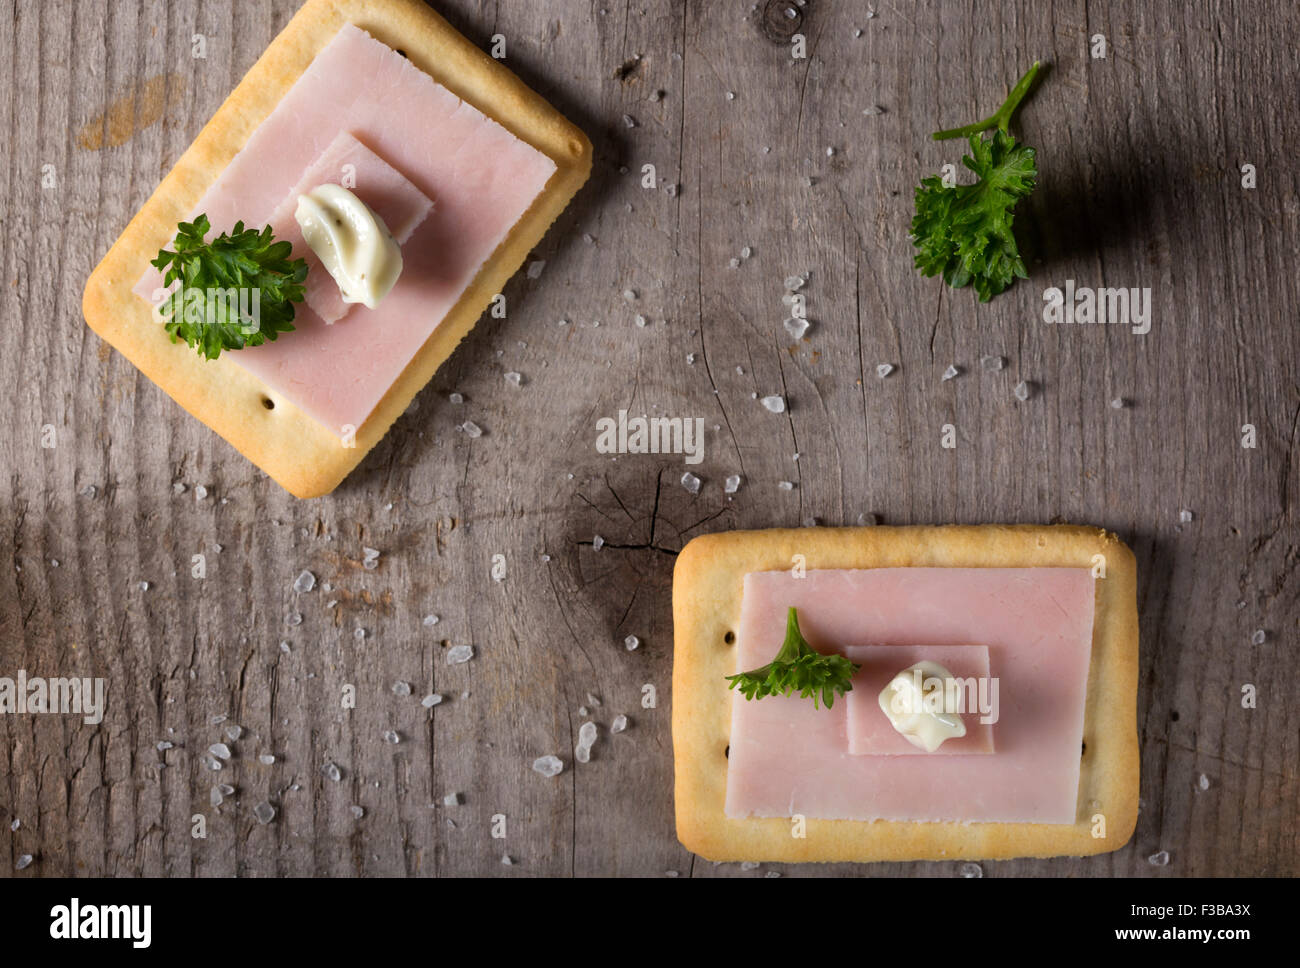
{"points": [[302, 455], [707, 591]]}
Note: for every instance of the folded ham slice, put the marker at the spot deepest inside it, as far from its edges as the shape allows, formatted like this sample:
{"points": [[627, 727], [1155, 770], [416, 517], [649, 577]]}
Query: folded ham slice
{"points": [[788, 758]]}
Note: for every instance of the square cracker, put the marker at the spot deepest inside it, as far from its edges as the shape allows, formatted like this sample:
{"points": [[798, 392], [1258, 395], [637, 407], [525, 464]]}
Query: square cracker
{"points": [[707, 591], [303, 456]]}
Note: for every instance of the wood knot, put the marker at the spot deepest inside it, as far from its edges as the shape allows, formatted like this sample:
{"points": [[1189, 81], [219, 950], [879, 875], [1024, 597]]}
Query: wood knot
{"points": [[782, 19]]}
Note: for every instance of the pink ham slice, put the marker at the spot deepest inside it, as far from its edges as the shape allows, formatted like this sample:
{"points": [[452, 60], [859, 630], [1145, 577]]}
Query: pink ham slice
{"points": [[385, 190], [869, 731], [788, 758], [482, 176]]}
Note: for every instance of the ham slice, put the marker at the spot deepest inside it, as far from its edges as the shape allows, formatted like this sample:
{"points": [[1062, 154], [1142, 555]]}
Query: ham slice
{"points": [[483, 177], [869, 730], [399, 204], [788, 758]]}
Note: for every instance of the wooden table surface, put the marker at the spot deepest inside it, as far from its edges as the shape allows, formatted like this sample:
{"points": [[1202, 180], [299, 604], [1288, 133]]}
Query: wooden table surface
{"points": [[1141, 156]]}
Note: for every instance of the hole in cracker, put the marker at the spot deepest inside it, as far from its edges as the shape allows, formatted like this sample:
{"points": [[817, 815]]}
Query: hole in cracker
{"points": [[1173, 715], [729, 638], [268, 402], [401, 52], [1083, 751], [727, 752]]}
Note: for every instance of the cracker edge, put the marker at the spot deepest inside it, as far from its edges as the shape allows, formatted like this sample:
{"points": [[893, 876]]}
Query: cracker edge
{"points": [[707, 591], [296, 451]]}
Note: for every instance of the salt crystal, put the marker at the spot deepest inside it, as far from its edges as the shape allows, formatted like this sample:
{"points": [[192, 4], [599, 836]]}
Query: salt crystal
{"points": [[304, 583], [733, 262], [178, 488], [218, 719], [359, 633], [796, 326], [690, 359], [266, 759], [264, 812], [220, 750], [331, 771], [691, 483], [16, 824], [1118, 403], [786, 485], [1185, 516], [431, 620], [629, 121], [144, 586], [587, 734], [535, 268], [89, 491], [548, 765], [593, 699], [971, 870], [293, 619], [401, 688], [431, 700], [582, 710], [795, 282], [215, 798], [582, 754], [774, 403], [619, 724], [631, 643], [514, 379], [1022, 391], [597, 543], [391, 737], [505, 859], [1203, 782], [732, 484], [234, 732], [24, 861], [830, 152], [471, 429], [770, 875], [640, 321], [162, 745], [458, 654], [748, 865], [200, 492], [674, 873], [1159, 859], [451, 800], [731, 95], [746, 252], [285, 647], [884, 369], [1259, 637], [951, 372], [457, 397], [212, 763], [991, 363]]}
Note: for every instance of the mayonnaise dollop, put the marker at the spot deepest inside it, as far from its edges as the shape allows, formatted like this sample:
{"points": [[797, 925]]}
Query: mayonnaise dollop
{"points": [[352, 243], [914, 704]]}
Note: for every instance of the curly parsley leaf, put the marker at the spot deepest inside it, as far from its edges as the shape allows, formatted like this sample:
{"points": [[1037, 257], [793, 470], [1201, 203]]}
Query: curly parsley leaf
{"points": [[798, 668], [237, 290], [963, 232]]}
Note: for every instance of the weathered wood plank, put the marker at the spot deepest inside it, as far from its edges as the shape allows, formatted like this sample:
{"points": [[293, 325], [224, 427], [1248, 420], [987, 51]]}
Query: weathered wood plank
{"points": [[1140, 155]]}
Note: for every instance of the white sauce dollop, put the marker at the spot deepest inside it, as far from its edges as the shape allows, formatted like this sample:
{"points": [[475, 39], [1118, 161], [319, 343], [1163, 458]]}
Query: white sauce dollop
{"points": [[352, 243], [914, 702]]}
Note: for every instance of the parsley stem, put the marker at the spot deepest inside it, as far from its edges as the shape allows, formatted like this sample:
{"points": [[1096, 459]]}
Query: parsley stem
{"points": [[1002, 119]]}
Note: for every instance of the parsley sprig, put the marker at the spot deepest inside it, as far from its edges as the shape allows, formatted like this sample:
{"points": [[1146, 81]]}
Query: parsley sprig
{"points": [[206, 310], [963, 232], [798, 667]]}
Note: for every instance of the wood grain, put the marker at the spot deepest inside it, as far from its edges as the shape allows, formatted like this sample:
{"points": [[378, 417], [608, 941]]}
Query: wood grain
{"points": [[1140, 155]]}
